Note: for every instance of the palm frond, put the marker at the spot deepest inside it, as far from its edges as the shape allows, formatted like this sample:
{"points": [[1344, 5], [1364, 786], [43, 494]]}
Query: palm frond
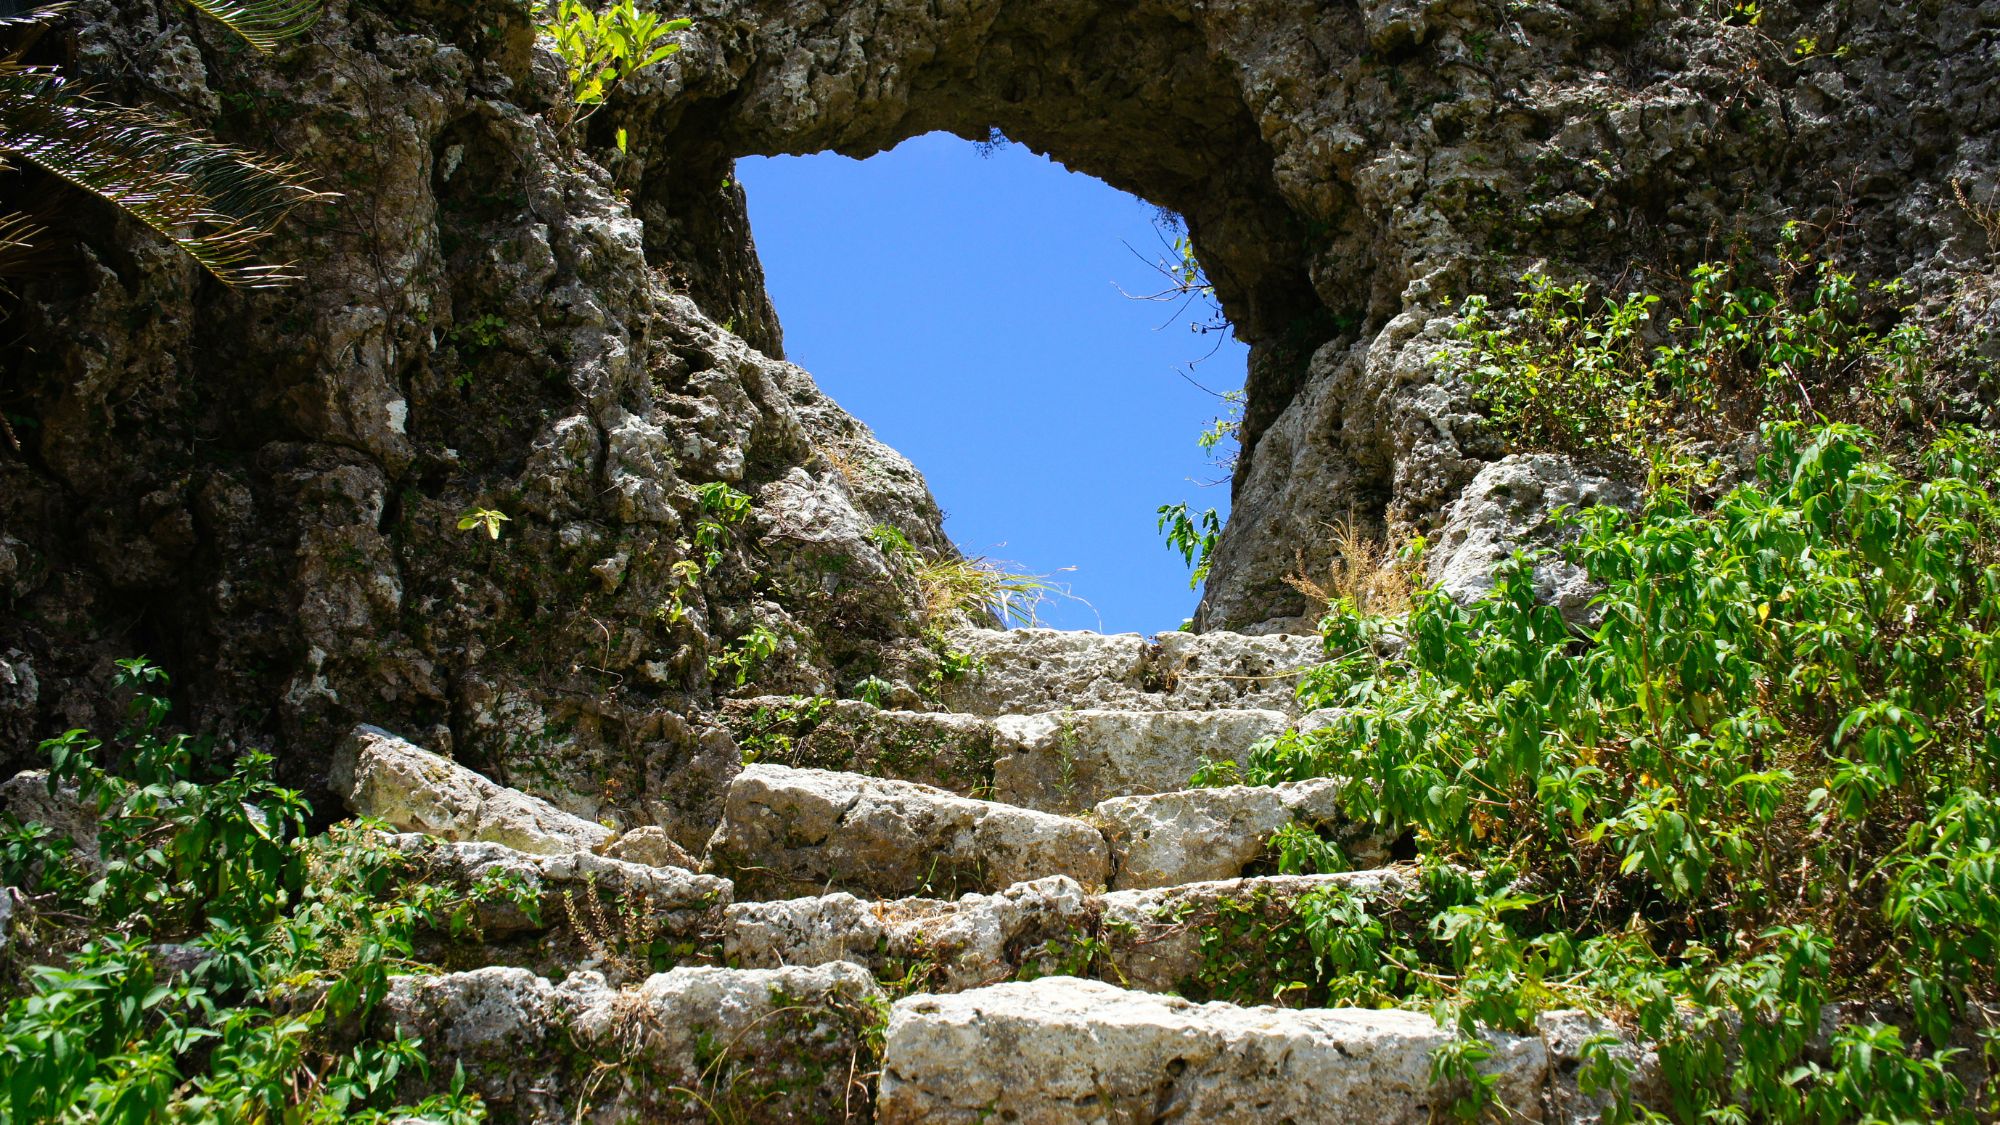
{"points": [[264, 24], [18, 233], [217, 202], [16, 15]]}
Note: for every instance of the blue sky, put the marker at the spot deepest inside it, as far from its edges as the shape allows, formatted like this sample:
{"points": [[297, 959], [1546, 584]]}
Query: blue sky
{"points": [[968, 309]]}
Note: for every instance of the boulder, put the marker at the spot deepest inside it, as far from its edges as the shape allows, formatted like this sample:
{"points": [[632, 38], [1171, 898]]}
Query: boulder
{"points": [[650, 845], [925, 943], [1066, 1050], [1067, 761], [1154, 938], [1195, 835], [28, 798], [383, 776], [789, 832], [1505, 509], [691, 1045]]}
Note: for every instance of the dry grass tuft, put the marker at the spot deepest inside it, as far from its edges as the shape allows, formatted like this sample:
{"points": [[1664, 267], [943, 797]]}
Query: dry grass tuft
{"points": [[1366, 570]]}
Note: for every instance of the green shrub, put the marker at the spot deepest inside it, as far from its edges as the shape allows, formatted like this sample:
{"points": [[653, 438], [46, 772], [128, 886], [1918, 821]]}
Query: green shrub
{"points": [[1764, 780], [298, 937], [1571, 371], [602, 49]]}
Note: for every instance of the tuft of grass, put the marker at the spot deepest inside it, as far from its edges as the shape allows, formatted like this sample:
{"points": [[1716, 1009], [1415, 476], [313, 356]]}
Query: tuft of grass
{"points": [[959, 589], [1377, 579]]}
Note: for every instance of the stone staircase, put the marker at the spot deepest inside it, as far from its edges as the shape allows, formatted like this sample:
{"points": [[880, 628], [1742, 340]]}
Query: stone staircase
{"points": [[1025, 869]]}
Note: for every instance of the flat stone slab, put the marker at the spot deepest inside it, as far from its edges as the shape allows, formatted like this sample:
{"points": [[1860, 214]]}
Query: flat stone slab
{"points": [[380, 775], [691, 1045], [1195, 835], [1153, 938], [787, 833], [928, 944], [1065, 1050], [1028, 671], [1068, 761]]}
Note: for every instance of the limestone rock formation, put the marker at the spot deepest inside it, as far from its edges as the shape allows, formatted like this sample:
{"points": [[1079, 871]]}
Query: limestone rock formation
{"points": [[1064, 1050], [1506, 509], [385, 777], [262, 489], [798, 831], [783, 1044]]}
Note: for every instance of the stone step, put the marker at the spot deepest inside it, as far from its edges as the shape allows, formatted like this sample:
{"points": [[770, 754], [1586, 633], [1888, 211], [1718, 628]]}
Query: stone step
{"points": [[553, 913], [691, 1045], [1062, 1049], [787, 832], [933, 945], [1195, 835], [1029, 671], [1158, 940], [1056, 761]]}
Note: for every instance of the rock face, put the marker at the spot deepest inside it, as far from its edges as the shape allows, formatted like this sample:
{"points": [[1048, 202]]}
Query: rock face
{"points": [[263, 489], [1506, 509], [692, 1044], [789, 831], [1066, 1050]]}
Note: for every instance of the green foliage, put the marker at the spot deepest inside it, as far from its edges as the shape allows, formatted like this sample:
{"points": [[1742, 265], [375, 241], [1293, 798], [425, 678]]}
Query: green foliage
{"points": [[264, 24], [747, 656], [602, 49], [1565, 370], [955, 588], [1224, 428], [485, 518], [1193, 536], [1780, 732], [297, 936]]}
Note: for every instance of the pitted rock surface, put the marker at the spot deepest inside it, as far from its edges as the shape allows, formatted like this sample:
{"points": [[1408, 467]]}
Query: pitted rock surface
{"points": [[1068, 761], [1030, 671], [947, 946], [1197, 835], [788, 832], [382, 776], [690, 1043], [1062, 1049]]}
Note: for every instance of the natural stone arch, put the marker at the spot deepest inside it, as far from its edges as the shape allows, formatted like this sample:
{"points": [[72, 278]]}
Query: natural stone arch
{"points": [[1147, 97], [1347, 170]]}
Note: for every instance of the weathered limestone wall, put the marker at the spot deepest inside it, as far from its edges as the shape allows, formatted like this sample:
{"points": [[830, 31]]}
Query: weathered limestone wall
{"points": [[261, 490]]}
